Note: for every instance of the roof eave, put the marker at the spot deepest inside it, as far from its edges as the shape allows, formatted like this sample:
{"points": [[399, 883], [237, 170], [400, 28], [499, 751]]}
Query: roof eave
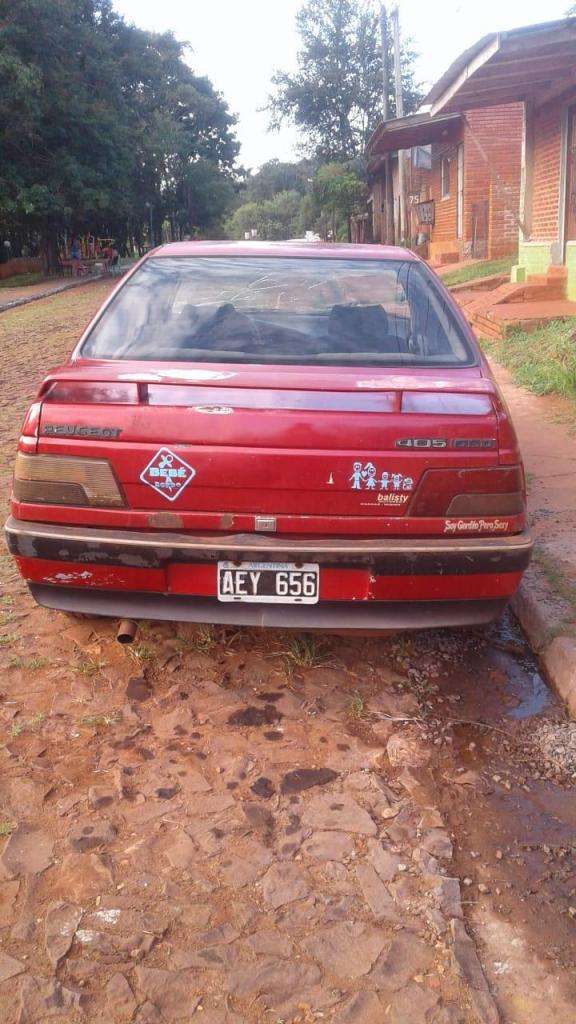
{"points": [[406, 132], [447, 87]]}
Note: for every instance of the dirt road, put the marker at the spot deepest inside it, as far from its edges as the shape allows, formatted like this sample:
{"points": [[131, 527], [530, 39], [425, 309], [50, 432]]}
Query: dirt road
{"points": [[245, 826]]}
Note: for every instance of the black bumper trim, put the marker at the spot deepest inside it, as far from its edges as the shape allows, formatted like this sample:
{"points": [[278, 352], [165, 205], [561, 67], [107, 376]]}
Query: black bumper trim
{"points": [[454, 556], [336, 615]]}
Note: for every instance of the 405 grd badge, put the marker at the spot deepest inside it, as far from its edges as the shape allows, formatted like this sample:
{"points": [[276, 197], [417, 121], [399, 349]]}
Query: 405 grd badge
{"points": [[167, 474]]}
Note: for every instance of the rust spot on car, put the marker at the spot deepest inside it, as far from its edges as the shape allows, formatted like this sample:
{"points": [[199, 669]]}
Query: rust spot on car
{"points": [[166, 520], [226, 521]]}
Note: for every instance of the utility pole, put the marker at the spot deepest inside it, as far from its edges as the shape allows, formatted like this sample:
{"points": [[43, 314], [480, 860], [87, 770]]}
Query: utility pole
{"points": [[399, 113], [389, 193], [385, 68]]}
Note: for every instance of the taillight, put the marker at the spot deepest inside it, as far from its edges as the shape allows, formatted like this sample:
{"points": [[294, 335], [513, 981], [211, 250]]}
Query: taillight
{"points": [[91, 393], [61, 480], [446, 404], [28, 441], [470, 492]]}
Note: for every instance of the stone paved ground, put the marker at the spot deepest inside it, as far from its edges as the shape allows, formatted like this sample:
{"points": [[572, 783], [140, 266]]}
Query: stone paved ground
{"points": [[206, 821], [245, 826]]}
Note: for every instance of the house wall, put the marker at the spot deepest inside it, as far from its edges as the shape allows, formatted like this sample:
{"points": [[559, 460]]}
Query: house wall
{"points": [[546, 150], [492, 140], [492, 170], [443, 239]]}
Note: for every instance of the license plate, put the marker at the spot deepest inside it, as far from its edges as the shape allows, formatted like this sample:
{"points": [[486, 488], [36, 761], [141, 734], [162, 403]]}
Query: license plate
{"points": [[269, 582]]}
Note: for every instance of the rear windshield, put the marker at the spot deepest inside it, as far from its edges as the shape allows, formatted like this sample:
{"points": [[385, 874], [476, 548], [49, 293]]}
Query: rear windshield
{"points": [[279, 310]]}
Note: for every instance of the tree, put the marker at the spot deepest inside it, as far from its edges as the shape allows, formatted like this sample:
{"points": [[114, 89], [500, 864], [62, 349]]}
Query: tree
{"points": [[339, 193], [104, 127], [335, 96], [279, 176], [272, 219]]}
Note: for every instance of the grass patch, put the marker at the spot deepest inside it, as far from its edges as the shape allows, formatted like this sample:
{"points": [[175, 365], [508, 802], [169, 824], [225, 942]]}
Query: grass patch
{"points": [[477, 270], [357, 706], [31, 664], [88, 667], [22, 724], [203, 639], [307, 651], [102, 720], [22, 280], [6, 828], [543, 361], [140, 653]]}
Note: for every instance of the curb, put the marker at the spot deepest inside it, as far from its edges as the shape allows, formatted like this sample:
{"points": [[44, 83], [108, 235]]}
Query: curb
{"points": [[25, 300], [546, 620]]}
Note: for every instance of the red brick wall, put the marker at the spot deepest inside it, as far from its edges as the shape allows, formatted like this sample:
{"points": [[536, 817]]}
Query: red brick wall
{"points": [[547, 129], [492, 165], [445, 210], [20, 265]]}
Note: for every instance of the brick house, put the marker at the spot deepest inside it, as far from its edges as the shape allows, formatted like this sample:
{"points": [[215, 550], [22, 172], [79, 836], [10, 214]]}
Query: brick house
{"points": [[461, 174], [535, 65]]}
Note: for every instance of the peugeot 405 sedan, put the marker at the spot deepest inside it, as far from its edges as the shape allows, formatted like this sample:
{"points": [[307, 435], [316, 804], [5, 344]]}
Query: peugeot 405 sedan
{"points": [[273, 434]]}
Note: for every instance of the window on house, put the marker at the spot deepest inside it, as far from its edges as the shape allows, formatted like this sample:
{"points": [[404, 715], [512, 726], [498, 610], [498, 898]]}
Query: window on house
{"points": [[445, 177]]}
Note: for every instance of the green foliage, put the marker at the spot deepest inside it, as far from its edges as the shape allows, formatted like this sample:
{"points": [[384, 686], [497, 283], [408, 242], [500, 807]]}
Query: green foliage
{"points": [[333, 195], [543, 361], [104, 127], [339, 193], [279, 176], [272, 219], [335, 96]]}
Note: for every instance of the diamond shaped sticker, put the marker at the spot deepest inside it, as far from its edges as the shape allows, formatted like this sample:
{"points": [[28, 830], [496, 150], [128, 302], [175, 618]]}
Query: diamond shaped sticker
{"points": [[168, 474]]}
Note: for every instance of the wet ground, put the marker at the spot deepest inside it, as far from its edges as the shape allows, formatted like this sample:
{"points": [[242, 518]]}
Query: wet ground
{"points": [[249, 826]]}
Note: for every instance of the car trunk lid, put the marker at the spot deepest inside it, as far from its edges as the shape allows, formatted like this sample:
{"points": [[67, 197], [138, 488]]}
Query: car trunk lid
{"points": [[301, 441]]}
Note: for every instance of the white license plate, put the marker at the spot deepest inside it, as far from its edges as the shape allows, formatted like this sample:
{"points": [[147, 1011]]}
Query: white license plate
{"points": [[269, 582]]}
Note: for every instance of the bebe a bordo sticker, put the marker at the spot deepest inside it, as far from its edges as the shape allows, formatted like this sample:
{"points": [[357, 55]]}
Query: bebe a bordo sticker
{"points": [[167, 474]]}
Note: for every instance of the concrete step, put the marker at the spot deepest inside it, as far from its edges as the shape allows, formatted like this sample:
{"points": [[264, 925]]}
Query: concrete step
{"points": [[543, 293], [486, 328]]}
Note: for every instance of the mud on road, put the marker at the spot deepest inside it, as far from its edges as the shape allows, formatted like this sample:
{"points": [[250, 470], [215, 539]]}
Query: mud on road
{"points": [[263, 826]]}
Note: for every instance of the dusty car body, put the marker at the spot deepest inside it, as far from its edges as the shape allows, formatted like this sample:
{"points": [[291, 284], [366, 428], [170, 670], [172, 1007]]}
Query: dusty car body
{"points": [[273, 434]]}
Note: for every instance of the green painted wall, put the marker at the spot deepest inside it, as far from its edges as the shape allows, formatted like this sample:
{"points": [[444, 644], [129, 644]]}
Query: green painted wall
{"points": [[534, 257]]}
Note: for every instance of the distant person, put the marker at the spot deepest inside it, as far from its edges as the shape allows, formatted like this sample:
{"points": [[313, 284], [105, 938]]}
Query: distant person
{"points": [[75, 250], [111, 255]]}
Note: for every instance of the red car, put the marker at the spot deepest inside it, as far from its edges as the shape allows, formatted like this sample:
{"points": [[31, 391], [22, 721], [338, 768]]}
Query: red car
{"points": [[273, 434]]}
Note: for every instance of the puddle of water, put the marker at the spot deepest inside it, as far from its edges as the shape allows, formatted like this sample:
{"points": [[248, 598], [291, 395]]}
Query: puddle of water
{"points": [[514, 831], [525, 684]]}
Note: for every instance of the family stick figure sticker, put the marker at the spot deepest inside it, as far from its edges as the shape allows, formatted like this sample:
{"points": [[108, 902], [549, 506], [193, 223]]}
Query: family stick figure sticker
{"points": [[367, 477], [168, 474]]}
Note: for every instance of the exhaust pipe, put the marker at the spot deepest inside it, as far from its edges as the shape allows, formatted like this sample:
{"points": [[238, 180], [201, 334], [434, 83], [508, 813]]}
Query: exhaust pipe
{"points": [[127, 630]]}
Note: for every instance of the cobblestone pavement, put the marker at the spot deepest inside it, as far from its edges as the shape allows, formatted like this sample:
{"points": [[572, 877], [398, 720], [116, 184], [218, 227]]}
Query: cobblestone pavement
{"points": [[270, 827]]}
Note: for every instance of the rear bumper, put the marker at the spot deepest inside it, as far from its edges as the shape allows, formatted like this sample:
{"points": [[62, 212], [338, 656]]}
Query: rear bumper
{"points": [[336, 615], [367, 583]]}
